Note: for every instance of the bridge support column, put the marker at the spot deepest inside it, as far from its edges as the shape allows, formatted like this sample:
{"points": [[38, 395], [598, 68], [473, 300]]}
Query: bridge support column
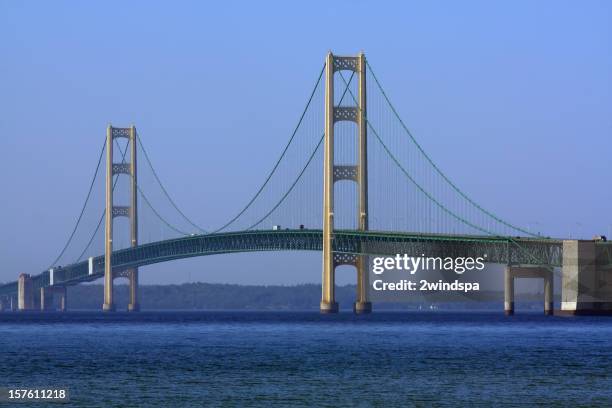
{"points": [[108, 221], [332, 173], [548, 295], [362, 305], [46, 299], [586, 278], [508, 292], [6, 303], [328, 283], [63, 304], [537, 272], [25, 292], [133, 306]]}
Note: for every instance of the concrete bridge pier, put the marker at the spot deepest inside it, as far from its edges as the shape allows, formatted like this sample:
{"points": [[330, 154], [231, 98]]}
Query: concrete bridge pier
{"points": [[587, 277], [63, 305], [362, 307], [6, 303], [362, 304], [133, 306], [46, 299], [47, 295], [524, 271], [25, 292]]}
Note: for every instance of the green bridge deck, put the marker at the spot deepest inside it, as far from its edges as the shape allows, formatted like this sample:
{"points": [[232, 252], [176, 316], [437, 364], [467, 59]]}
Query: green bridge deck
{"points": [[502, 250]]}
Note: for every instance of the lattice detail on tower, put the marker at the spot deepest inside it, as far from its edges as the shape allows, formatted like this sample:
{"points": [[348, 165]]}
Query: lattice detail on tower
{"points": [[121, 132], [345, 63], [344, 259], [124, 273], [121, 168], [345, 172], [121, 211], [348, 113]]}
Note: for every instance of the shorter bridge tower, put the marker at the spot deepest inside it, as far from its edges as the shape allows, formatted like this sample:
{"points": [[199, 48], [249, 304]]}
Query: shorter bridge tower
{"points": [[332, 173], [112, 211]]}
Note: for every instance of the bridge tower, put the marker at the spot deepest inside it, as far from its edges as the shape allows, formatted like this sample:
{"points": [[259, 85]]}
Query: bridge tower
{"points": [[112, 211], [355, 172]]}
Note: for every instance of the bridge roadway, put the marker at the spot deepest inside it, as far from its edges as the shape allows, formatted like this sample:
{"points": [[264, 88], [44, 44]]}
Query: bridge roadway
{"points": [[503, 250]]}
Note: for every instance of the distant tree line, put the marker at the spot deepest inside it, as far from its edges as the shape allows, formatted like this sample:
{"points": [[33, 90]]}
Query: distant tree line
{"points": [[214, 296]]}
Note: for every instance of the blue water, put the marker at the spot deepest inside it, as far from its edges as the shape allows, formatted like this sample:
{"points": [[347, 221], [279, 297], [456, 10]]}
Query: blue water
{"points": [[305, 359]]}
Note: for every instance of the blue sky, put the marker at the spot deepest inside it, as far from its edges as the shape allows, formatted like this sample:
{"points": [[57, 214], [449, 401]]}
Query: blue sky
{"points": [[522, 89]]}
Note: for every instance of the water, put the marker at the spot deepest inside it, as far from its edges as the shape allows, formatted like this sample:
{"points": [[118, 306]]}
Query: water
{"points": [[296, 359]]}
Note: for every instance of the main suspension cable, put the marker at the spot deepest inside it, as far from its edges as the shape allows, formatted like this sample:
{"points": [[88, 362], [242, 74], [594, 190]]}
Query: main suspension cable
{"points": [[407, 174], [78, 221], [123, 153], [267, 180], [162, 219], [440, 205], [305, 166], [436, 168], [202, 230]]}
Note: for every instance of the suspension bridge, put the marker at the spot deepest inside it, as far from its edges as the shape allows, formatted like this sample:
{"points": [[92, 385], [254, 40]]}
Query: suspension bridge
{"points": [[381, 194]]}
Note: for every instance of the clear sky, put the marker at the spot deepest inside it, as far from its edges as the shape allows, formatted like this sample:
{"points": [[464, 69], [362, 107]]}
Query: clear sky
{"points": [[522, 89]]}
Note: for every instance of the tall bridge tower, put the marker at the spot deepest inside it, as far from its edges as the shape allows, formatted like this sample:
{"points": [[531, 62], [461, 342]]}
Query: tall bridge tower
{"points": [[112, 211], [356, 172]]}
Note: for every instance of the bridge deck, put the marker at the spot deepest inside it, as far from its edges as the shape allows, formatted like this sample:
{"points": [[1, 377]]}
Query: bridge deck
{"points": [[495, 250]]}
